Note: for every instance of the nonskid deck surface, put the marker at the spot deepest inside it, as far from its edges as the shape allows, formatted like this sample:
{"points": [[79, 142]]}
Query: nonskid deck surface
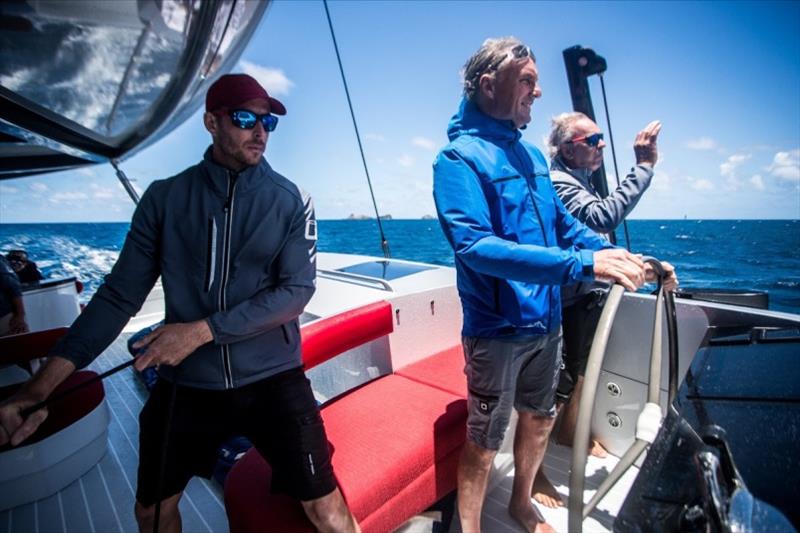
{"points": [[495, 517], [102, 500]]}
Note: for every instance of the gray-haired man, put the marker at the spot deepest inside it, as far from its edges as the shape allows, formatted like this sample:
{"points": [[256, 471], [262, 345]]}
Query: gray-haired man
{"points": [[576, 147]]}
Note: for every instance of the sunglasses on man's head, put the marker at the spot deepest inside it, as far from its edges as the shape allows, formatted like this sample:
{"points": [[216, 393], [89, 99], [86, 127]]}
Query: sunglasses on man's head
{"points": [[590, 140], [246, 120], [520, 51]]}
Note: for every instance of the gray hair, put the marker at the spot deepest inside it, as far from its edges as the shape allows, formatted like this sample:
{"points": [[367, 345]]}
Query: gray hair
{"points": [[562, 130], [493, 54]]}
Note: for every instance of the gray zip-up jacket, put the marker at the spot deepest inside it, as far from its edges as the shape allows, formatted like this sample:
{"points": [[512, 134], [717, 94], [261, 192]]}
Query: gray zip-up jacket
{"points": [[601, 214], [236, 250]]}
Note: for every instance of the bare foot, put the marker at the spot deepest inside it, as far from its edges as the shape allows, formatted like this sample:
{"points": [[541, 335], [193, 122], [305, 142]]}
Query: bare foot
{"points": [[530, 519], [596, 450], [544, 492]]}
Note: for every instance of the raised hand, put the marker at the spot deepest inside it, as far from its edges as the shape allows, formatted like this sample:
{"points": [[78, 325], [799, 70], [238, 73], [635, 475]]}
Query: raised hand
{"points": [[646, 144]]}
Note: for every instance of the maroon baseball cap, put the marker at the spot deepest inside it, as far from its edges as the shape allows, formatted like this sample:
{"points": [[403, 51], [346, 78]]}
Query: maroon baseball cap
{"points": [[232, 90]]}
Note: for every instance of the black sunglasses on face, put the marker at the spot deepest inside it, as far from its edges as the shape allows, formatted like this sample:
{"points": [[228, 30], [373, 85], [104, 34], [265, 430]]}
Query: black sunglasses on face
{"points": [[246, 120], [590, 140]]}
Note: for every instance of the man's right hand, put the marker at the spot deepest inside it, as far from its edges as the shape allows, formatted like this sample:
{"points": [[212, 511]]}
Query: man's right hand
{"points": [[620, 266], [645, 146], [13, 427]]}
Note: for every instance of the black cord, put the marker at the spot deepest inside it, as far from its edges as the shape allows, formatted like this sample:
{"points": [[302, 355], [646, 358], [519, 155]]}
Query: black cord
{"points": [[384, 242], [58, 397], [613, 155]]}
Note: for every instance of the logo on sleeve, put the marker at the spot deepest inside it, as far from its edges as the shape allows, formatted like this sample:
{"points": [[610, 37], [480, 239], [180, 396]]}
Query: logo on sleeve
{"points": [[311, 230]]}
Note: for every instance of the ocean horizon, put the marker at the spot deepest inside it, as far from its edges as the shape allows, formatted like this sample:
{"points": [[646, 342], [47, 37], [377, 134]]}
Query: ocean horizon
{"points": [[739, 254]]}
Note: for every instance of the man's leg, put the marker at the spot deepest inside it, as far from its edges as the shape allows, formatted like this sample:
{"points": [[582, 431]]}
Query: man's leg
{"points": [[566, 432], [530, 443], [473, 475], [169, 520], [330, 513]]}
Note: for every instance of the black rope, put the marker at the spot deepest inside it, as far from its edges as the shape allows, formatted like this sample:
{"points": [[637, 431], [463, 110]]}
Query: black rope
{"points": [[58, 397], [613, 154], [384, 242]]}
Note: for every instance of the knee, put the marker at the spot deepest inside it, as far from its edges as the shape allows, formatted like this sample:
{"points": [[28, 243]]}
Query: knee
{"points": [[475, 456]]}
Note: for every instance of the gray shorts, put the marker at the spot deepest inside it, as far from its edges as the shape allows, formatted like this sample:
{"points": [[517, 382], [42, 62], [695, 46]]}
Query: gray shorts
{"points": [[502, 373]]}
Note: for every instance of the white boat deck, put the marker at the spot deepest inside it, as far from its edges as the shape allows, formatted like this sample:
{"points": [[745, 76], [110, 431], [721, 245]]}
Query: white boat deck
{"points": [[102, 500]]}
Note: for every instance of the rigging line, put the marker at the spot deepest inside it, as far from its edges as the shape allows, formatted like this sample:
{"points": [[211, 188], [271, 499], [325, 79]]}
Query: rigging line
{"points": [[613, 154], [384, 242]]}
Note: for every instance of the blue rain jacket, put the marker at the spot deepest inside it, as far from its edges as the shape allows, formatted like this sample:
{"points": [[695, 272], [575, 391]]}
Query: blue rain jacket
{"points": [[515, 244]]}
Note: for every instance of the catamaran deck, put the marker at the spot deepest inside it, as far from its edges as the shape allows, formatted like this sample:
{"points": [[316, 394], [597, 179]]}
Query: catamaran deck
{"points": [[102, 500]]}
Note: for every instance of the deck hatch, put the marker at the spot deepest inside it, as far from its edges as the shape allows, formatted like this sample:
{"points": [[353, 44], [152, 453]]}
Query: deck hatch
{"points": [[386, 270]]}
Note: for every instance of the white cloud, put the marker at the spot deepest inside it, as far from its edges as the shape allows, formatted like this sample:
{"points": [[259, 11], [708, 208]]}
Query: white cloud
{"points": [[405, 160], [786, 165], [703, 143], [274, 80], [8, 189], [68, 197], [375, 137], [101, 192], [38, 187], [701, 184], [728, 168], [757, 182], [424, 142]]}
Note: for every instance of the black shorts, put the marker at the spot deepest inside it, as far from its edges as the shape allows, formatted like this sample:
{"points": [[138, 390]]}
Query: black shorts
{"points": [[278, 414], [578, 324]]}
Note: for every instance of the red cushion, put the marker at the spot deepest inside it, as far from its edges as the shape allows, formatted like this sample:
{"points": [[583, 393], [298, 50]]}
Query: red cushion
{"points": [[331, 336], [67, 411], [444, 371], [395, 445], [19, 349]]}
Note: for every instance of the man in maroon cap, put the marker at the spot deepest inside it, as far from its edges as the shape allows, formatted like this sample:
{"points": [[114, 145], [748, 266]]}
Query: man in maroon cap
{"points": [[234, 243]]}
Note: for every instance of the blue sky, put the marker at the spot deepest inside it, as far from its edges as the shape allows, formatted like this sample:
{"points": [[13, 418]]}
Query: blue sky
{"points": [[723, 77]]}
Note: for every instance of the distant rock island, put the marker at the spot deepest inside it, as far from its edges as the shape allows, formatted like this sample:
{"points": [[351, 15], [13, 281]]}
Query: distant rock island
{"points": [[353, 216], [428, 217]]}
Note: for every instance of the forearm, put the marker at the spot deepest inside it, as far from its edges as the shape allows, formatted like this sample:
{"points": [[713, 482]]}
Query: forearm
{"points": [[265, 311], [55, 370], [530, 263], [606, 214]]}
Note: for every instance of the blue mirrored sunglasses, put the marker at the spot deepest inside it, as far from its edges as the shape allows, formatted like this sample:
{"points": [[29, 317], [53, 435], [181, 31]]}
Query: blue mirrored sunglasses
{"points": [[246, 120], [590, 140]]}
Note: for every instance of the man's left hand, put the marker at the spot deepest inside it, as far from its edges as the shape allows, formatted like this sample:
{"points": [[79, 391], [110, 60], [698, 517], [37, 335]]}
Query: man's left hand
{"points": [[646, 144], [670, 282], [172, 343]]}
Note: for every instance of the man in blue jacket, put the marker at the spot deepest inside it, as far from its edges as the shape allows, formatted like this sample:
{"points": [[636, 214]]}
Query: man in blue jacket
{"points": [[515, 244], [234, 243]]}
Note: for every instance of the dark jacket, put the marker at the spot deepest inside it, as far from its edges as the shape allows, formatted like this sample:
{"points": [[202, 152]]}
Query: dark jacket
{"points": [[237, 250], [601, 214], [514, 241]]}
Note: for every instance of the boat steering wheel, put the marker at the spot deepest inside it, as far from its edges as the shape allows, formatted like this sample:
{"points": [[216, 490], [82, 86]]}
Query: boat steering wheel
{"points": [[650, 418]]}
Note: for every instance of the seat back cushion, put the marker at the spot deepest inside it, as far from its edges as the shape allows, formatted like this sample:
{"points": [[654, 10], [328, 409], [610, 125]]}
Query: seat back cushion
{"points": [[444, 371]]}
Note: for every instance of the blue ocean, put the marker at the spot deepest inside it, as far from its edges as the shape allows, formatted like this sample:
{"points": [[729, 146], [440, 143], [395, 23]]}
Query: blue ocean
{"points": [[761, 255]]}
